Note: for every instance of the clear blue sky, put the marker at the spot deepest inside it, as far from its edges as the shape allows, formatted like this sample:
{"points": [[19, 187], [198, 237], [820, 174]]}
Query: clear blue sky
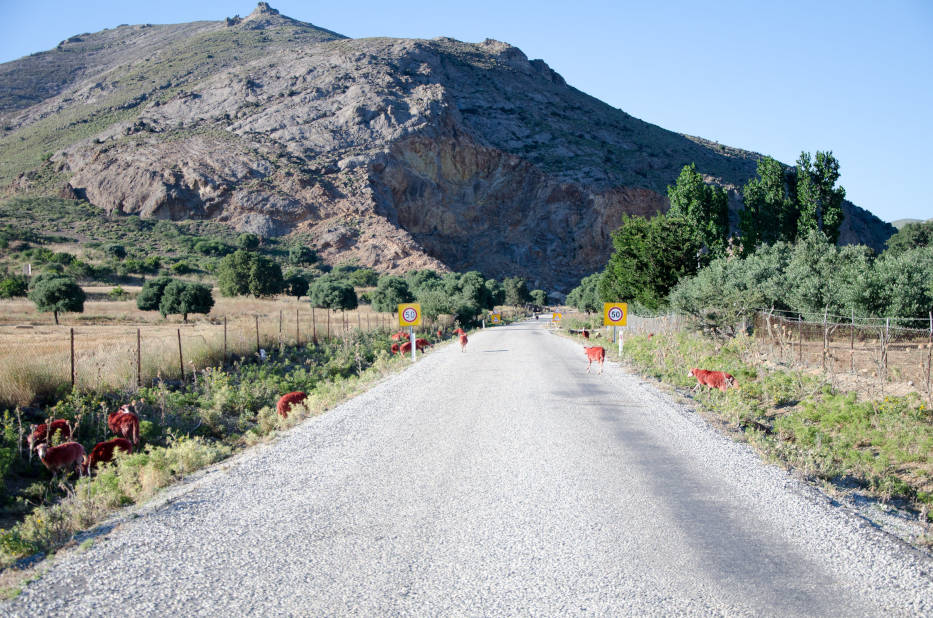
{"points": [[777, 78]]}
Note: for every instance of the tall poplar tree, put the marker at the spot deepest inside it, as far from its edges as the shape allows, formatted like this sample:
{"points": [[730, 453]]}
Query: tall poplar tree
{"points": [[705, 208], [819, 200]]}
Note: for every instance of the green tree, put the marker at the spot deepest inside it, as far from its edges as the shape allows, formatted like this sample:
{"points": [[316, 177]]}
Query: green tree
{"points": [[150, 296], [247, 241], [911, 236], [495, 292], [391, 291], [212, 247], [184, 297], [770, 214], [423, 280], [245, 272], [585, 297], [333, 293], [539, 297], [56, 292], [819, 200], [296, 284], [363, 277], [472, 285], [301, 255], [704, 207], [11, 287], [651, 256], [516, 291]]}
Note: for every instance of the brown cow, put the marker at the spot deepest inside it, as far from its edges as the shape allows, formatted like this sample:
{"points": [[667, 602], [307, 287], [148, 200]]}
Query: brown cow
{"points": [[103, 453], [41, 433], [125, 422], [595, 353], [421, 344], [287, 400], [64, 456], [463, 341], [713, 379]]}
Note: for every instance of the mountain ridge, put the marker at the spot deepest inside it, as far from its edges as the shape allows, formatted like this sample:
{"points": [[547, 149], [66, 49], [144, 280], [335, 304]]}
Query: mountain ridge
{"points": [[397, 153]]}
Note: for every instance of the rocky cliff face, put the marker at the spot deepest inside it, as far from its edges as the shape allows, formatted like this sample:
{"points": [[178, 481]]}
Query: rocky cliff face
{"points": [[396, 153]]}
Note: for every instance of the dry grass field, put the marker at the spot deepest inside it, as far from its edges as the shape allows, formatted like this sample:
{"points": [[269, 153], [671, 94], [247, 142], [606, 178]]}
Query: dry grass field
{"points": [[35, 354]]}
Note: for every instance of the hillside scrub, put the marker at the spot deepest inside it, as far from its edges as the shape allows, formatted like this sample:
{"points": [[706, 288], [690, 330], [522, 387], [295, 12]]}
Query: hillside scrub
{"points": [[183, 428], [798, 419]]}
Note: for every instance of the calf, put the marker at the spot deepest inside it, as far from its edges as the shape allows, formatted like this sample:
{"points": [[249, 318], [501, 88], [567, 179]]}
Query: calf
{"points": [[713, 379], [103, 453], [125, 422], [399, 335], [421, 344], [287, 400], [43, 433], [595, 353], [405, 348], [394, 348], [463, 341], [585, 334], [65, 456]]}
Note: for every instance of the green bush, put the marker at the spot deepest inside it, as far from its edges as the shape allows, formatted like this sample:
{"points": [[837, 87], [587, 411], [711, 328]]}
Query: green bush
{"points": [[11, 287], [332, 293], [56, 293], [183, 297], [390, 292], [150, 297], [245, 272]]}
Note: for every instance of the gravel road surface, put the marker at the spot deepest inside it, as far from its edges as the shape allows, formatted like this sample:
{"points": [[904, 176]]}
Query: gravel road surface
{"points": [[498, 481]]}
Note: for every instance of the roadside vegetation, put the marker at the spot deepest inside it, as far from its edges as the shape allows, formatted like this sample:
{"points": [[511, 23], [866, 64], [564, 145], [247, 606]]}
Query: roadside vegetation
{"points": [[883, 447]]}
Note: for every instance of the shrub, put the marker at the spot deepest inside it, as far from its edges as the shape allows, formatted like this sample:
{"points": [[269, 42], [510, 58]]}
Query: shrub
{"points": [[181, 268], [333, 294], [301, 255], [247, 241], [117, 252], [247, 272], [212, 247], [11, 287], [183, 297], [390, 292], [118, 293]]}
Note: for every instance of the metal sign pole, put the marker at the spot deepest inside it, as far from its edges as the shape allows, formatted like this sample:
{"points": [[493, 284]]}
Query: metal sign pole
{"points": [[411, 337]]}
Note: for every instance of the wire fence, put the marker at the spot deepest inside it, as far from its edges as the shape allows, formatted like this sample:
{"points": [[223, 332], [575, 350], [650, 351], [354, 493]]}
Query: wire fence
{"points": [[887, 348], [38, 359]]}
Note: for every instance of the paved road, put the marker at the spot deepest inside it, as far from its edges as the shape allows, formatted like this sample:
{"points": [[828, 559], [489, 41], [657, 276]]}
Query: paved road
{"points": [[498, 481]]}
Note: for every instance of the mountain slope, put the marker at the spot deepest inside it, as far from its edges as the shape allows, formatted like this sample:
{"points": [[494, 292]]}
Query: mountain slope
{"points": [[397, 153]]}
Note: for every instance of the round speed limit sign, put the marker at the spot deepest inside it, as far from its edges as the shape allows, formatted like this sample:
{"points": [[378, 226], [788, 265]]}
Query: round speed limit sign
{"points": [[409, 314], [615, 314]]}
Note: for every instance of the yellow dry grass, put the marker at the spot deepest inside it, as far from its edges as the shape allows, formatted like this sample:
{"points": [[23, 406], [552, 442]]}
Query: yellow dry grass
{"points": [[35, 354]]}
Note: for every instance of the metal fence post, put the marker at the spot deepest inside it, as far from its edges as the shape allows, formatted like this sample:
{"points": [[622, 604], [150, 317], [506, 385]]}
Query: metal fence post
{"points": [[181, 361]]}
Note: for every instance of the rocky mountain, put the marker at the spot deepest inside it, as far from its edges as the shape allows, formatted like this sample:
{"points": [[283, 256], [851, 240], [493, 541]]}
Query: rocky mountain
{"points": [[395, 153]]}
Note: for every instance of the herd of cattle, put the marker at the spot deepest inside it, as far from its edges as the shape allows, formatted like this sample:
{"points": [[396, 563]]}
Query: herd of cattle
{"points": [[124, 423], [70, 455]]}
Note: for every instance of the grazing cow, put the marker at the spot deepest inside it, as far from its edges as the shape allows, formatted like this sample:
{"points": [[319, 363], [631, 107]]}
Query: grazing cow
{"points": [[421, 344], [125, 422], [463, 341], [103, 453], [595, 353], [586, 334], [62, 457], [405, 348], [713, 379], [394, 348], [287, 400], [42, 433], [399, 335]]}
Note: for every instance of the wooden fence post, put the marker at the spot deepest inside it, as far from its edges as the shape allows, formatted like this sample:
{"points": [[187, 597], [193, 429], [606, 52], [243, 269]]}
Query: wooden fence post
{"points": [[72, 359], [297, 331], [799, 340], [181, 361], [328, 324], [280, 328], [257, 333], [225, 341], [929, 356], [825, 337], [313, 326], [852, 343], [884, 349], [139, 356], [359, 320]]}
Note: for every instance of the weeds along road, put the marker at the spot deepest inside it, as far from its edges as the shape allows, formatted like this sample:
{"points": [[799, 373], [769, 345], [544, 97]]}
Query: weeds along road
{"points": [[498, 481]]}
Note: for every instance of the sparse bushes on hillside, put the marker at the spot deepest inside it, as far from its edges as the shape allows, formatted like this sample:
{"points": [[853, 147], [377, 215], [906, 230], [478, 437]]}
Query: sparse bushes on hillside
{"points": [[212, 247], [247, 241], [911, 236], [11, 287]]}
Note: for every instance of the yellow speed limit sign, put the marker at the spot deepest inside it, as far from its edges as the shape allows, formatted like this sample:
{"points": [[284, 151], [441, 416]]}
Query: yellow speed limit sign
{"points": [[556, 317], [495, 318], [615, 314], [409, 314]]}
